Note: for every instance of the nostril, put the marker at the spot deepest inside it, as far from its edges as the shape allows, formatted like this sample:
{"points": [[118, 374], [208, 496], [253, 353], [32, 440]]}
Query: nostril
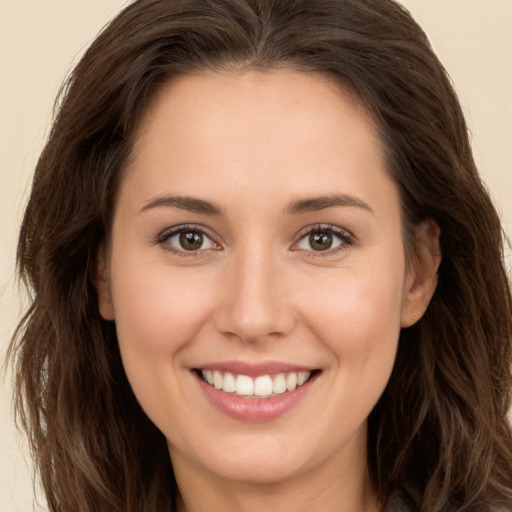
{"points": [[254, 325]]}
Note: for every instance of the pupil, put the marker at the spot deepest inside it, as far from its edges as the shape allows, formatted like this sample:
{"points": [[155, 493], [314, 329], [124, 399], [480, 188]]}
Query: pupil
{"points": [[191, 240], [320, 241]]}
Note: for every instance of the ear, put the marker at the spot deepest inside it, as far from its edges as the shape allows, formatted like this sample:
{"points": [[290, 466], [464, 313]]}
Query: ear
{"points": [[421, 280], [101, 281]]}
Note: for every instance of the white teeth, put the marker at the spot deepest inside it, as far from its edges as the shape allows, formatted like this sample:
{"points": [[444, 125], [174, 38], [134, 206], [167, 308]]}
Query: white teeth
{"points": [[244, 385], [302, 377], [208, 375], [229, 383], [291, 381], [279, 385], [217, 379], [261, 386]]}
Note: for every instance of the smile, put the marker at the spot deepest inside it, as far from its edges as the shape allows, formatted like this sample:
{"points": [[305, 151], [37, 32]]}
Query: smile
{"points": [[261, 386], [255, 392]]}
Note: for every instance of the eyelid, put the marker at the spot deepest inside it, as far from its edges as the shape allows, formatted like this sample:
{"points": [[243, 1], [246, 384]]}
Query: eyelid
{"points": [[169, 232], [346, 237]]}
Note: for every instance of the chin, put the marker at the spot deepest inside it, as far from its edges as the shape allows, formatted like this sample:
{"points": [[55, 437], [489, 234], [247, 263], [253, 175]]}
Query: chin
{"points": [[256, 460], [259, 471]]}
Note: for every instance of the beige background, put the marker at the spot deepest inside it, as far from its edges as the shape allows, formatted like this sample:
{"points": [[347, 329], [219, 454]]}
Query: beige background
{"points": [[41, 39]]}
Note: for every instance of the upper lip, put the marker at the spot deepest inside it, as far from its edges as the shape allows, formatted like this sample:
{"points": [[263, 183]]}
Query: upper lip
{"points": [[255, 369]]}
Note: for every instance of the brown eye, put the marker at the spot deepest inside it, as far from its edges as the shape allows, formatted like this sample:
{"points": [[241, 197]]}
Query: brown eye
{"points": [[191, 240], [184, 239], [320, 240], [327, 239]]}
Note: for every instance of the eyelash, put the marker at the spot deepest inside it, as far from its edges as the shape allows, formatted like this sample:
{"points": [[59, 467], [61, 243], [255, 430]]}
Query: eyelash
{"points": [[345, 238], [164, 237]]}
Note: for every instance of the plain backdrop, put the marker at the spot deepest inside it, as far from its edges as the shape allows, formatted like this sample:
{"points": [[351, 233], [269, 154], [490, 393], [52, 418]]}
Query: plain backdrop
{"points": [[40, 40]]}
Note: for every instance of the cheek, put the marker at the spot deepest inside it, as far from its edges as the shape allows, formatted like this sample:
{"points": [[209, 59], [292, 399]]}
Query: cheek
{"points": [[160, 309], [360, 305], [158, 313], [359, 322], [356, 315]]}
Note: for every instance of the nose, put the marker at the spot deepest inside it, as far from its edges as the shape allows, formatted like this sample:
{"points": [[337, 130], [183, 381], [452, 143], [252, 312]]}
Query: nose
{"points": [[255, 301]]}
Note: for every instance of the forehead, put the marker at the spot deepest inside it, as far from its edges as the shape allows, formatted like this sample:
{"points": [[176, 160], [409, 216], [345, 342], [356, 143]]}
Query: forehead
{"points": [[279, 129], [211, 94], [206, 101]]}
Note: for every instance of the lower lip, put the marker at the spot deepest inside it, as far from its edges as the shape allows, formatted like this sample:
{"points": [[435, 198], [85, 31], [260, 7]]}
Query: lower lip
{"points": [[255, 409]]}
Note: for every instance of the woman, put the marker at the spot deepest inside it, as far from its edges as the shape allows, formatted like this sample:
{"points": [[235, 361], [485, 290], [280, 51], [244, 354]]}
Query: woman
{"points": [[266, 274]]}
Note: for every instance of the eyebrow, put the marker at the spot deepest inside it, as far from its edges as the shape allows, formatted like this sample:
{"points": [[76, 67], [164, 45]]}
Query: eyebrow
{"points": [[311, 204], [314, 204], [191, 204]]}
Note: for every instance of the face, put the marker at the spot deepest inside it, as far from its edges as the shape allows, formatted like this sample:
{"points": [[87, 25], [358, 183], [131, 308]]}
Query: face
{"points": [[256, 274]]}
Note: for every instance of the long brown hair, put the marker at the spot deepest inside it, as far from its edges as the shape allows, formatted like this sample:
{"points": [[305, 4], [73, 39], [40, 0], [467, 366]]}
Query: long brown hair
{"points": [[439, 435]]}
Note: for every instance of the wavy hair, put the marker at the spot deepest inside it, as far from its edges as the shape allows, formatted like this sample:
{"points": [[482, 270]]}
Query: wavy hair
{"points": [[439, 435]]}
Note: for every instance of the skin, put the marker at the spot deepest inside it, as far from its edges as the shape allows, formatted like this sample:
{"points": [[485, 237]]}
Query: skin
{"points": [[252, 144]]}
